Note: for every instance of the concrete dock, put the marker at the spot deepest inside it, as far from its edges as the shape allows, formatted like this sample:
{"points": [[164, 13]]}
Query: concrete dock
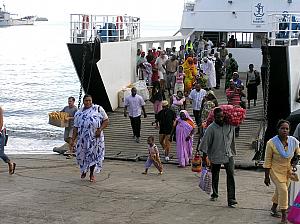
{"points": [[47, 189]]}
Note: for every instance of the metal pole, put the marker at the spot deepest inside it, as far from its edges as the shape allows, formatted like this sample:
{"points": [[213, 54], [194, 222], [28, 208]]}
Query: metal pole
{"points": [[71, 28], [290, 30], [107, 40]]}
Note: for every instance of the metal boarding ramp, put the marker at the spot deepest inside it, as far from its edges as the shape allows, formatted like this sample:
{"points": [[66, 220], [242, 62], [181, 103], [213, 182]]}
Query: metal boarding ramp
{"points": [[108, 28]]}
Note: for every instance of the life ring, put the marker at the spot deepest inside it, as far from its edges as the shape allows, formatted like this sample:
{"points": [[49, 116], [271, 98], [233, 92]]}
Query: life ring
{"points": [[85, 22], [119, 23]]}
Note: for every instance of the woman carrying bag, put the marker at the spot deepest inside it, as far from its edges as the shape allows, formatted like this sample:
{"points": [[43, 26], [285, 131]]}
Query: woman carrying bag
{"points": [[280, 151]]}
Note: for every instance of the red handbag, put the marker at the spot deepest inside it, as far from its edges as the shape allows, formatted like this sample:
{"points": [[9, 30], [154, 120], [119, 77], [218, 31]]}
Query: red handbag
{"points": [[197, 163]]}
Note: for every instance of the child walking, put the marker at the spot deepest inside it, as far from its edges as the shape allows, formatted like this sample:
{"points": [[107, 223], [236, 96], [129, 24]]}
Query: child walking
{"points": [[153, 157]]}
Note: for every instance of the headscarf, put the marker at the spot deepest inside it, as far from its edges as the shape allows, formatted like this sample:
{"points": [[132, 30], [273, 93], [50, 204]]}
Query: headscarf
{"points": [[190, 61], [189, 67], [292, 145], [210, 92], [186, 115], [187, 125]]}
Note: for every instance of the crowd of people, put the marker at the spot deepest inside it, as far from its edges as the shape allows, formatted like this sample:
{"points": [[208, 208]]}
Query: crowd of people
{"points": [[196, 69], [187, 75], [197, 62]]}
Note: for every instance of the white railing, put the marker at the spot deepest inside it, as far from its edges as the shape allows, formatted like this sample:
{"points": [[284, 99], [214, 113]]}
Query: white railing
{"points": [[285, 28], [108, 28]]}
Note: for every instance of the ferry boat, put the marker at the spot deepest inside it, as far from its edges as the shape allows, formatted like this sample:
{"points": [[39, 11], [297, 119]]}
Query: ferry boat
{"points": [[7, 20], [103, 49]]}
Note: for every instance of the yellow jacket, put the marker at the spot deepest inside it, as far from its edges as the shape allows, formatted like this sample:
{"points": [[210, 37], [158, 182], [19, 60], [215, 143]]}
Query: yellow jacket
{"points": [[279, 167]]}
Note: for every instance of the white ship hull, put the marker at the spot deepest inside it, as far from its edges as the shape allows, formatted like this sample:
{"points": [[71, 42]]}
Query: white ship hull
{"points": [[6, 19], [16, 22]]}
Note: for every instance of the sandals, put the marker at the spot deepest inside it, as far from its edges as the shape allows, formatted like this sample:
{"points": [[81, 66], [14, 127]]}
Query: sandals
{"points": [[83, 175], [275, 214], [92, 179], [11, 168], [70, 156]]}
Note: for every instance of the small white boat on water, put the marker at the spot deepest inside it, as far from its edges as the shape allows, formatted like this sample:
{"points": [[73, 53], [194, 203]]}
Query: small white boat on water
{"points": [[6, 19]]}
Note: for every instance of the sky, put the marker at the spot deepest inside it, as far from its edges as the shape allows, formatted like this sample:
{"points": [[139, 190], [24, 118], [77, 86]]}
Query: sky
{"points": [[167, 12]]}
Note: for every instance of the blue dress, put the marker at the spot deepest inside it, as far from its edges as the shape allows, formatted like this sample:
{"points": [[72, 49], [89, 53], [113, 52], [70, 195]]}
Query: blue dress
{"points": [[89, 149]]}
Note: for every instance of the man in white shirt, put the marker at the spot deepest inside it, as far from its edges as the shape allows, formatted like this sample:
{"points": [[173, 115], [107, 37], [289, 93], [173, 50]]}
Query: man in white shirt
{"points": [[161, 66], [210, 44], [209, 70], [197, 95], [135, 105], [201, 46]]}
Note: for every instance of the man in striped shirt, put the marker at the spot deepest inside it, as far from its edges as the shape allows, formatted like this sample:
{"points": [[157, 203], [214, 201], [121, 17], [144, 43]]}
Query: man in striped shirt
{"points": [[234, 95]]}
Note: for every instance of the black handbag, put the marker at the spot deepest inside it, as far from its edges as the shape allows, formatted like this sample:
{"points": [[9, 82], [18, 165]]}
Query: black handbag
{"points": [[4, 133], [6, 139], [295, 160]]}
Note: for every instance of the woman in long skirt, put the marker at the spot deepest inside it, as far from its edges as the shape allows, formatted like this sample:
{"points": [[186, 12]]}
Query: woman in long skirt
{"points": [[252, 81], [184, 138], [89, 123]]}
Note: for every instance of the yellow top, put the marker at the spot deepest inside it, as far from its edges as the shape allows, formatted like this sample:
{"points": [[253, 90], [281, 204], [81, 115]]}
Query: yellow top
{"points": [[280, 167]]}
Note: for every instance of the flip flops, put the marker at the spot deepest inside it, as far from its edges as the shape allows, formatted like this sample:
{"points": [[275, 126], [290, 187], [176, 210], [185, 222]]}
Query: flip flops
{"points": [[83, 175], [275, 214], [92, 179]]}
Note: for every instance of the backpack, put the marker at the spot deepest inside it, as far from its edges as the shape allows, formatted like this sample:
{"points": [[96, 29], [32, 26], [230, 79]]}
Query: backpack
{"points": [[257, 77]]}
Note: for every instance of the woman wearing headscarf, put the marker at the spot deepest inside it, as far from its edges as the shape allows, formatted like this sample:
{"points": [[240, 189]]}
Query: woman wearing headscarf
{"points": [[89, 123], [210, 101], [184, 126], [280, 151], [190, 72], [177, 102]]}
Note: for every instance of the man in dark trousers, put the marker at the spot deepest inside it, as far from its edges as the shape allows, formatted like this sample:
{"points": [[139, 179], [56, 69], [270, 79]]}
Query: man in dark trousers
{"points": [[165, 118], [218, 68], [135, 105], [218, 144]]}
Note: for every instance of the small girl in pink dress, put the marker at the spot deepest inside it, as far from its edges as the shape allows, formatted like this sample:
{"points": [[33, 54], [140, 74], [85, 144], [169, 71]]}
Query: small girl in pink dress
{"points": [[153, 157]]}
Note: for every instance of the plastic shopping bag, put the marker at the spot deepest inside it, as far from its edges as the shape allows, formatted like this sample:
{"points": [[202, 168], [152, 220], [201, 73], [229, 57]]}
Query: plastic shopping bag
{"points": [[205, 181]]}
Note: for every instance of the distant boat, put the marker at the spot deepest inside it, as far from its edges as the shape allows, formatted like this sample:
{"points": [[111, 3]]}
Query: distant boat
{"points": [[7, 20], [41, 19]]}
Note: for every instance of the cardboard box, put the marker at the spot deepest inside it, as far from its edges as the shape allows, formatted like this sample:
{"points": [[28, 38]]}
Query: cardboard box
{"points": [[122, 94], [58, 123]]}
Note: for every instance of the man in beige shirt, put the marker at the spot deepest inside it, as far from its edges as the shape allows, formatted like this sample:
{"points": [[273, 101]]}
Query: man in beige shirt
{"points": [[171, 68]]}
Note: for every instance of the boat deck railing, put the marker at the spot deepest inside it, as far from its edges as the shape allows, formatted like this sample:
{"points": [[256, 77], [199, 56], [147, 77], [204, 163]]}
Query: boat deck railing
{"points": [[285, 29], [108, 28]]}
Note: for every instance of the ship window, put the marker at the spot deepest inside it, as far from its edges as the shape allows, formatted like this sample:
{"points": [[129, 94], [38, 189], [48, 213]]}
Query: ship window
{"points": [[243, 39]]}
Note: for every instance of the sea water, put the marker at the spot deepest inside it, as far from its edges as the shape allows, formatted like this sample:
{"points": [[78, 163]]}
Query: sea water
{"points": [[36, 77]]}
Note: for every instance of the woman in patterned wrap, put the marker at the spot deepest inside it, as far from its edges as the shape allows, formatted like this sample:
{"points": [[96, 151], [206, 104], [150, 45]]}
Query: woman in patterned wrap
{"points": [[89, 123], [184, 126]]}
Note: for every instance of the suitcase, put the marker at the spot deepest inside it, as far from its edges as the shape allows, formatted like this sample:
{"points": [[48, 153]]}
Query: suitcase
{"points": [[294, 188]]}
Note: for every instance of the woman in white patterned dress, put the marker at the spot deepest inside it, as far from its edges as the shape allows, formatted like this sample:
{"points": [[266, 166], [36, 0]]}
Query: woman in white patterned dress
{"points": [[89, 123]]}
